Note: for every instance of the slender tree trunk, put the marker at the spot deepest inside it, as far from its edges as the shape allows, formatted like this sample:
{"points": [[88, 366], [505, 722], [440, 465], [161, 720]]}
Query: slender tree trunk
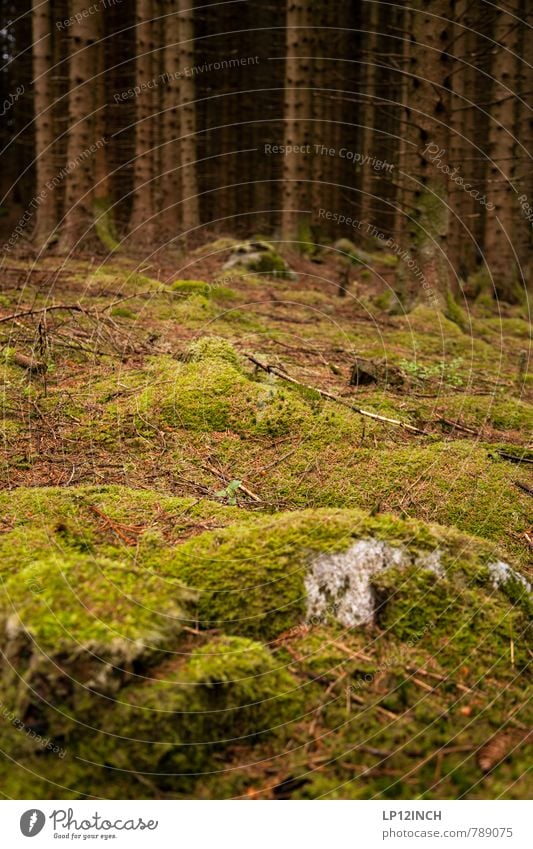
{"points": [[81, 143], [170, 151], [297, 109], [368, 112], [327, 80], [142, 220], [103, 214], [498, 246], [428, 118], [190, 211], [400, 228], [46, 219], [458, 236], [523, 230]]}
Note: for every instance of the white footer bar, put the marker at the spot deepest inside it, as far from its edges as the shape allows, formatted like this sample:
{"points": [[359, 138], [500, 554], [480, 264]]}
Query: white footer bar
{"points": [[267, 825]]}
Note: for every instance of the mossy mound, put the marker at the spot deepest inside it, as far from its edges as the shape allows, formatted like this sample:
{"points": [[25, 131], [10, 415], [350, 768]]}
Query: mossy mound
{"points": [[80, 597], [186, 288], [229, 690], [84, 590], [115, 658], [213, 348], [259, 257], [210, 391], [268, 562], [213, 395], [168, 727], [191, 287], [500, 411]]}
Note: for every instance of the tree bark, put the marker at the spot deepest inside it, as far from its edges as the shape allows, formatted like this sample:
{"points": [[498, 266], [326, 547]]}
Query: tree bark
{"points": [[368, 111], [190, 211], [170, 150], [81, 143], [297, 110], [461, 203], [523, 230], [428, 116], [46, 218], [142, 213], [498, 246]]}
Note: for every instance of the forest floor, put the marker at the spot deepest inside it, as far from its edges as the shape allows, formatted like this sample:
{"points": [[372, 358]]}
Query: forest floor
{"points": [[170, 507]]}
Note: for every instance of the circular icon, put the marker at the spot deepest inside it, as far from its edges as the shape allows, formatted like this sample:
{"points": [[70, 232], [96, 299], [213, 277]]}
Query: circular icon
{"points": [[32, 822]]}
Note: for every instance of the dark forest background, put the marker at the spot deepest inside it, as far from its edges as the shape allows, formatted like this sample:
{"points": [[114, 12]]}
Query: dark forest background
{"points": [[424, 108]]}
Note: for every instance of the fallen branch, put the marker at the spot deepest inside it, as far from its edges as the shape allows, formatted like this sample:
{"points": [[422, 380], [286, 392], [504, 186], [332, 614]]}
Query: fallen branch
{"points": [[524, 486], [28, 363], [457, 426], [223, 477], [330, 397], [76, 307], [121, 530], [26, 313], [514, 458]]}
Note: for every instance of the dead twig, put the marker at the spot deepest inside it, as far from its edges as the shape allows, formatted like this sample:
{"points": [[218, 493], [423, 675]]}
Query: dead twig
{"points": [[119, 528], [513, 458], [34, 366], [52, 307], [457, 426], [330, 397], [524, 486], [223, 478]]}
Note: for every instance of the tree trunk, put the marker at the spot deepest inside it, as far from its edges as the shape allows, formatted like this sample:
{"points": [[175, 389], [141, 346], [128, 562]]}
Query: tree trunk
{"points": [[170, 150], [428, 115], [46, 219], [142, 213], [297, 109], [187, 89], [400, 226], [81, 143], [459, 241], [523, 230], [498, 247], [371, 23], [103, 213]]}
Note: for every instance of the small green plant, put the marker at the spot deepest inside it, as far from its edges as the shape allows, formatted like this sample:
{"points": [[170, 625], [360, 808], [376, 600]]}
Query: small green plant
{"points": [[445, 372], [230, 492]]}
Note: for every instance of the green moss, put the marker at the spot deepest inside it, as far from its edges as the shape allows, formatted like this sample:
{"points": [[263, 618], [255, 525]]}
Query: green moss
{"points": [[454, 483], [266, 563], [209, 392], [271, 263], [209, 701], [499, 410], [454, 312], [228, 691], [104, 224], [217, 246], [430, 218], [188, 287], [460, 615], [122, 312], [213, 347]]}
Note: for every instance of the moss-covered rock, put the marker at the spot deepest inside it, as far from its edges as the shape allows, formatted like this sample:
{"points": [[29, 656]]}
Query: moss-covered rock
{"points": [[208, 392], [229, 690], [259, 257], [187, 288], [106, 626], [213, 348], [269, 564], [167, 726]]}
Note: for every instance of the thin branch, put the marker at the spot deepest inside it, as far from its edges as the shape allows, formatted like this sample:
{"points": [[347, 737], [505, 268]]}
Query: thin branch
{"points": [[330, 397]]}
